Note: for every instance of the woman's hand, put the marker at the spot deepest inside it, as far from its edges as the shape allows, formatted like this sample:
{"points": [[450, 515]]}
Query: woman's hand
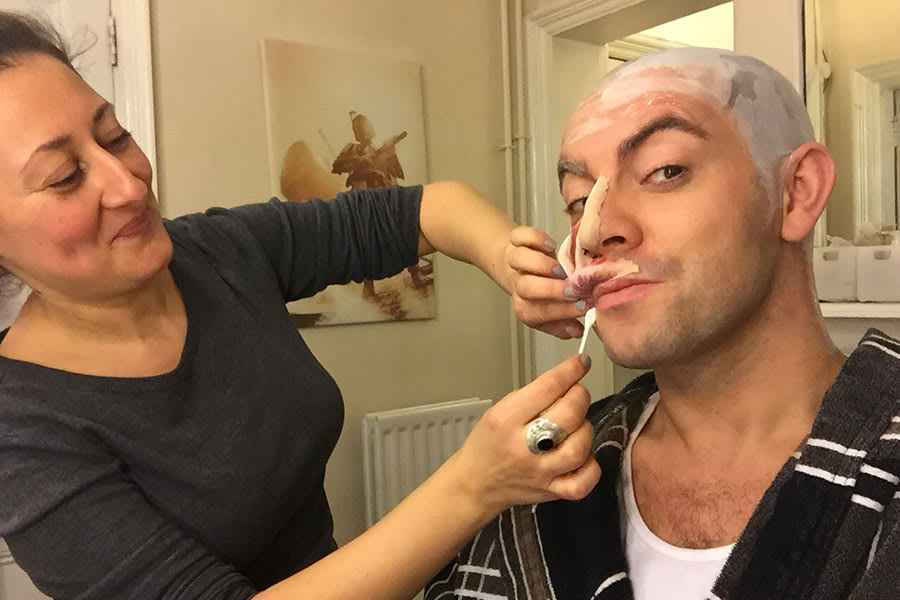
{"points": [[539, 292], [492, 471], [495, 465]]}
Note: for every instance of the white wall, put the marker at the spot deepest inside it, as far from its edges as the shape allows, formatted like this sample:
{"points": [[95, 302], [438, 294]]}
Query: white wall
{"points": [[212, 151]]}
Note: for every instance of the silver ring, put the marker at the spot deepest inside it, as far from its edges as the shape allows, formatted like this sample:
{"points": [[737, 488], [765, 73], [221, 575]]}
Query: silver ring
{"points": [[543, 435]]}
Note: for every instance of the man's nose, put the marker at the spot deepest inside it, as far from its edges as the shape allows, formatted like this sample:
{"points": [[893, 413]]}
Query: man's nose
{"points": [[612, 229]]}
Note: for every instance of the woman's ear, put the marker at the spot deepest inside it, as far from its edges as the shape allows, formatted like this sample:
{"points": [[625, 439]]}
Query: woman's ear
{"points": [[807, 179]]}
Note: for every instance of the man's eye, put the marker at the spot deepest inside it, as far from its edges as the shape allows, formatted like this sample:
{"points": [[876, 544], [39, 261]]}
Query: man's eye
{"points": [[575, 207], [666, 174]]}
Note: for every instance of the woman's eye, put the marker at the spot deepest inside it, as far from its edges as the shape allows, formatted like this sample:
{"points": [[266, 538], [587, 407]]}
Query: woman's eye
{"points": [[69, 180], [119, 141], [575, 207], [666, 174]]}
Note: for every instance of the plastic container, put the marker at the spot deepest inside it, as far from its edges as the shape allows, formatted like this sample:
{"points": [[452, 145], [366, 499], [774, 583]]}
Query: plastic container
{"points": [[878, 273], [835, 270]]}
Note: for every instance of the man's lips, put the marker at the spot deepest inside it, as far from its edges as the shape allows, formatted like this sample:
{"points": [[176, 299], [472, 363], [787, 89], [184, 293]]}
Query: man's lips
{"points": [[619, 283], [585, 280], [605, 294]]}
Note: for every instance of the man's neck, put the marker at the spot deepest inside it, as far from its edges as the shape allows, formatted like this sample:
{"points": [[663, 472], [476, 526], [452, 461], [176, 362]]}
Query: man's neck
{"points": [[764, 383]]}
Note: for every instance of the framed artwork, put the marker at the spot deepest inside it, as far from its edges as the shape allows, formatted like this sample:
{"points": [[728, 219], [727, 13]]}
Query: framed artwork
{"points": [[339, 121]]}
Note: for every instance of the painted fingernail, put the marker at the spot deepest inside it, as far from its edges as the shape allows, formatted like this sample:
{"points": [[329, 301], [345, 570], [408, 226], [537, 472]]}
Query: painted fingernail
{"points": [[585, 360], [580, 305], [550, 244], [574, 330], [569, 291], [559, 272]]}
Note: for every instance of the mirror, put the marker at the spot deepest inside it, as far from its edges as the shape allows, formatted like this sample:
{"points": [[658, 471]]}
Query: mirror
{"points": [[853, 93]]}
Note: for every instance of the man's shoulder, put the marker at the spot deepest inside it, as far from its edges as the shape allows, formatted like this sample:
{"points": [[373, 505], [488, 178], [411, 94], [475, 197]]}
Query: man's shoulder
{"points": [[615, 416]]}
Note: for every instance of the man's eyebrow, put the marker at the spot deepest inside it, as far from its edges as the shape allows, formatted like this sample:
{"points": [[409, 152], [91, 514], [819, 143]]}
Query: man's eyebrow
{"points": [[62, 140], [576, 168], [662, 123]]}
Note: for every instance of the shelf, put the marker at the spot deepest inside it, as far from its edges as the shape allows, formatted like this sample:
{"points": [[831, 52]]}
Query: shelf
{"points": [[860, 310]]}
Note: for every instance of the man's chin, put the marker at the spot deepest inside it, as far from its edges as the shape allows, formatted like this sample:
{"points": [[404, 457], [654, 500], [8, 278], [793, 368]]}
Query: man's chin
{"points": [[631, 361], [636, 350]]}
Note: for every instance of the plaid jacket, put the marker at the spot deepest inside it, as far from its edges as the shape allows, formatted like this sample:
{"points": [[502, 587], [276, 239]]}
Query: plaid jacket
{"points": [[828, 526]]}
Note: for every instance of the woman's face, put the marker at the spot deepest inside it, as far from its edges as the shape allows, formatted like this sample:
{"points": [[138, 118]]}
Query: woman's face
{"points": [[77, 215]]}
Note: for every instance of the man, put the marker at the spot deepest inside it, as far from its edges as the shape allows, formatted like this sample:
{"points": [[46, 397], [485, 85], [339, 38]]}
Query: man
{"points": [[756, 461]]}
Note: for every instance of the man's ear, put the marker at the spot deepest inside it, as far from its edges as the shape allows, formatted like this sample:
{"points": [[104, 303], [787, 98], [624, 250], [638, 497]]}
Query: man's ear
{"points": [[807, 179]]}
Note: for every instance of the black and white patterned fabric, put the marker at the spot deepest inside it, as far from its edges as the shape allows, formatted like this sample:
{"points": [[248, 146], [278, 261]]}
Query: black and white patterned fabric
{"points": [[827, 527]]}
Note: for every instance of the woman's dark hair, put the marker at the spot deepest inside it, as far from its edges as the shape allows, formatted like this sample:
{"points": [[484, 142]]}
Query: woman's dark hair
{"points": [[22, 34]]}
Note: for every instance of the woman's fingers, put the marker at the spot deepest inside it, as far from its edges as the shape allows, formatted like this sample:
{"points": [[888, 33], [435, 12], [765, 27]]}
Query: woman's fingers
{"points": [[576, 484], [529, 261], [569, 411], [535, 287], [529, 237], [541, 295], [527, 403], [564, 330], [536, 313]]}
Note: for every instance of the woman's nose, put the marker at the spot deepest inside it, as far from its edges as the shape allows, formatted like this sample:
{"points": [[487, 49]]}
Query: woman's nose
{"points": [[121, 186]]}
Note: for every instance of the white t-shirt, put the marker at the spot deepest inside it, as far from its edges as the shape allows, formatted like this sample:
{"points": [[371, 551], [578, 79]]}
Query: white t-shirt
{"points": [[656, 568]]}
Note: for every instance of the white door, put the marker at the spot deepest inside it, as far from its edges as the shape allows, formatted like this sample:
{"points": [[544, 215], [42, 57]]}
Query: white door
{"points": [[84, 25]]}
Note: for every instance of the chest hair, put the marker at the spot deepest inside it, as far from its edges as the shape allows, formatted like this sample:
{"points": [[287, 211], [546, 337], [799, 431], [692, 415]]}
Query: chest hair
{"points": [[699, 507]]}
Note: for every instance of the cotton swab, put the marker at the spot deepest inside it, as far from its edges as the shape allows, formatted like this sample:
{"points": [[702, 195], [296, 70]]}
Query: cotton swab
{"points": [[590, 317]]}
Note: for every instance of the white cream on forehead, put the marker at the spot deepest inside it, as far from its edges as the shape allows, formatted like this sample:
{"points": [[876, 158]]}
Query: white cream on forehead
{"points": [[770, 113]]}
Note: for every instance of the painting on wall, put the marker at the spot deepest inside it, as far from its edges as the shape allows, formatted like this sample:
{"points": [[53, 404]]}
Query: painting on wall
{"points": [[339, 121]]}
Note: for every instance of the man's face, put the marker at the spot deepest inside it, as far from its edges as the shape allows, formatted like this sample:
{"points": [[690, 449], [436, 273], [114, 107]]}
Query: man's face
{"points": [[684, 205]]}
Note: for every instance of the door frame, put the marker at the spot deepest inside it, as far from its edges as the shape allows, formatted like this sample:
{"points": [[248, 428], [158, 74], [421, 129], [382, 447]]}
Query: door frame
{"points": [[133, 74], [540, 27]]}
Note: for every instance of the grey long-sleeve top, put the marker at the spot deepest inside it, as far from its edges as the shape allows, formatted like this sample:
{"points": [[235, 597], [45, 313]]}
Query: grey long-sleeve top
{"points": [[207, 481]]}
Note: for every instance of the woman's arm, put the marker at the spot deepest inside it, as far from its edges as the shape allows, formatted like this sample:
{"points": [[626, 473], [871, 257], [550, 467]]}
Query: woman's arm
{"points": [[494, 470], [459, 222]]}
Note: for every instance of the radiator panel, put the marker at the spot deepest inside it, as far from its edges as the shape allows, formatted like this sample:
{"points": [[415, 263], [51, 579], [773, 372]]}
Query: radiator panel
{"points": [[402, 448]]}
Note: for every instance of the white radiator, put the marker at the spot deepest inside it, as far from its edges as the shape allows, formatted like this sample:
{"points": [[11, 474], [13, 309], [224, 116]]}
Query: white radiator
{"points": [[402, 448]]}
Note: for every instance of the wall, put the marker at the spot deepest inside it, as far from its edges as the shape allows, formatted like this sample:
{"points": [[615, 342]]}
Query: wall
{"points": [[853, 38], [213, 151], [710, 28], [638, 17], [772, 31]]}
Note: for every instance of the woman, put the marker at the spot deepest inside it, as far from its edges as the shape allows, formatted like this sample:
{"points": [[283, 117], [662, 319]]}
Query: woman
{"points": [[164, 430]]}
